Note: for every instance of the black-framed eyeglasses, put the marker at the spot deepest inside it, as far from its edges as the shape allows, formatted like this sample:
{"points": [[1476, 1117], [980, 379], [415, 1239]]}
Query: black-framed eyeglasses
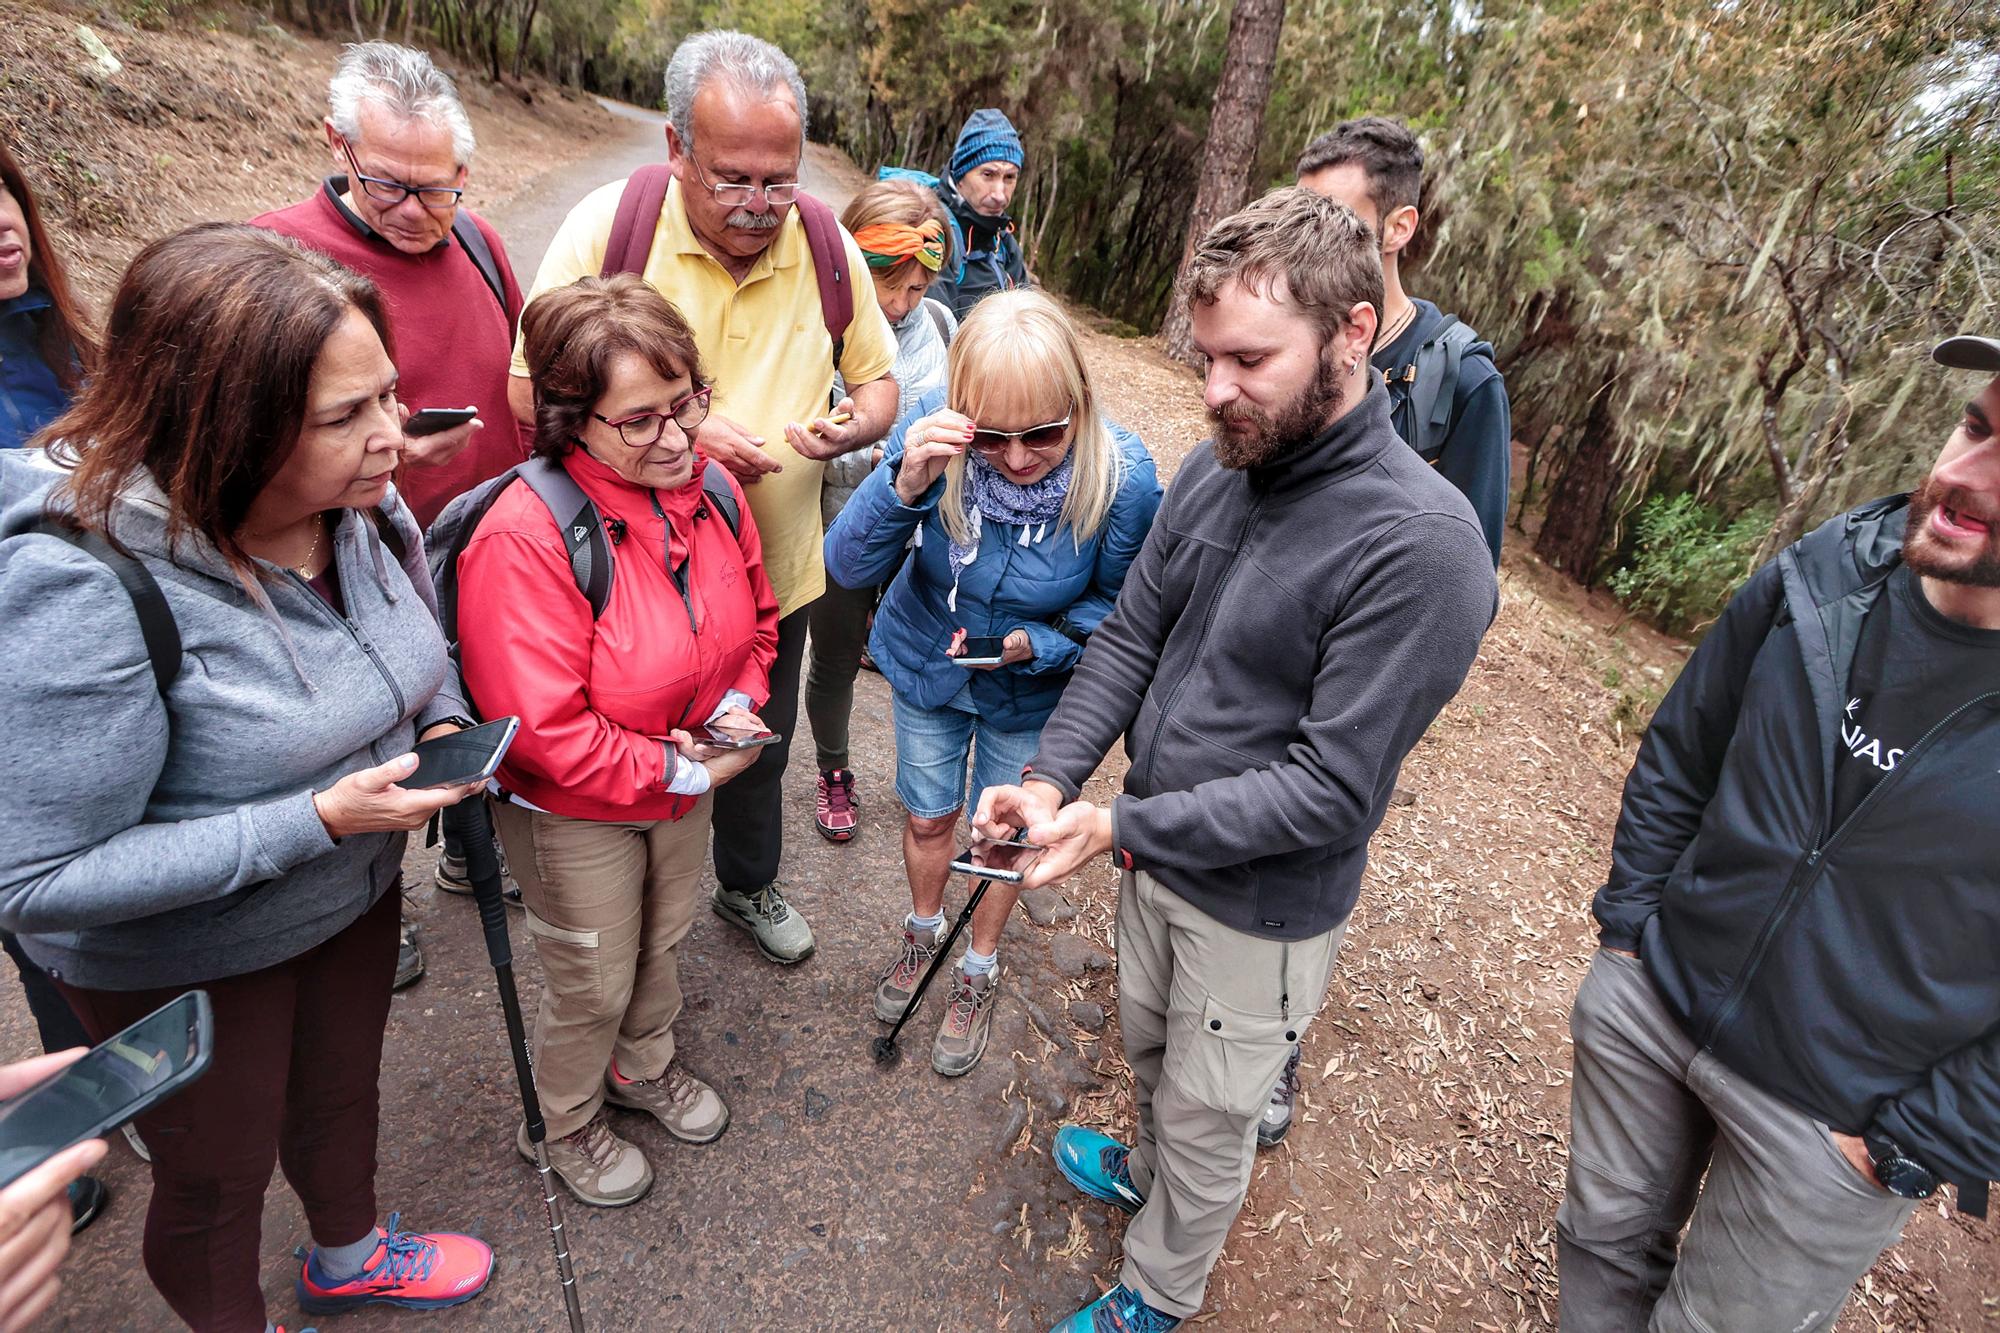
{"points": [[390, 193], [731, 194], [1042, 439], [645, 429]]}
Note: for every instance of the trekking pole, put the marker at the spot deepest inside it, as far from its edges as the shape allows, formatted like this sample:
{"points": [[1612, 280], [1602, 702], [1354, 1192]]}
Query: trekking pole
{"points": [[472, 825], [885, 1048]]}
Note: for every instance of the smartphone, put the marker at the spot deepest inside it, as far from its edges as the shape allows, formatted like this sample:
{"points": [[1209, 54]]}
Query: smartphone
{"points": [[134, 1071], [1003, 862], [729, 738], [431, 420], [472, 755], [980, 650]]}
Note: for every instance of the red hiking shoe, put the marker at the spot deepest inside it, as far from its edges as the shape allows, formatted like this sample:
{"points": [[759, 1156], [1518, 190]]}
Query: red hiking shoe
{"points": [[834, 805], [418, 1272]]}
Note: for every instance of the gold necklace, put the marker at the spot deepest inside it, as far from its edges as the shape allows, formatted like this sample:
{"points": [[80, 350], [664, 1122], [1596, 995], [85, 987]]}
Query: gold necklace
{"points": [[304, 568]]}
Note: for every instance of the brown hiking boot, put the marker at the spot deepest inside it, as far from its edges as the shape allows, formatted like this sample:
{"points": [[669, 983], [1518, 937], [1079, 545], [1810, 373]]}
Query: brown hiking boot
{"points": [[597, 1165], [968, 1021], [899, 981], [690, 1110]]}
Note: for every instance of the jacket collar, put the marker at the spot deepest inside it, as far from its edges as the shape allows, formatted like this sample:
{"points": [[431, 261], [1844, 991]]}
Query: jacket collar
{"points": [[1357, 438]]}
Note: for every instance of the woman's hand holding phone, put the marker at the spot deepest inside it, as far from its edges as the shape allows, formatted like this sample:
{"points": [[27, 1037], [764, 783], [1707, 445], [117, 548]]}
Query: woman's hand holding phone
{"points": [[930, 444], [34, 1210], [371, 802], [722, 764]]}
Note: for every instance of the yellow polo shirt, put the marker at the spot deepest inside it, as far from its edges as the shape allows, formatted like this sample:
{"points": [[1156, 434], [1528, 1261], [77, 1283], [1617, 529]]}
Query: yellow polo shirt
{"points": [[765, 345]]}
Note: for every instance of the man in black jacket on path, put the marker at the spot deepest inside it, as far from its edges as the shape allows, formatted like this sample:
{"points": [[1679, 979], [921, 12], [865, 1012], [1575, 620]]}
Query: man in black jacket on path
{"points": [[1797, 992], [1311, 595]]}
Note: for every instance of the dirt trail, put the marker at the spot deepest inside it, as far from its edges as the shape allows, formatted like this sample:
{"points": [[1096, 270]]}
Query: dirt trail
{"points": [[1417, 1191]]}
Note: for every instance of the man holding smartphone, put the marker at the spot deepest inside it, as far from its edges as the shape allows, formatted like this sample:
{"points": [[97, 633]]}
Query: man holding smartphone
{"points": [[1310, 597]]}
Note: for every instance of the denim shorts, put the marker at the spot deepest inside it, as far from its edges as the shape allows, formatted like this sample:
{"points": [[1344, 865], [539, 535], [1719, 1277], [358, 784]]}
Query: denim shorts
{"points": [[932, 745]]}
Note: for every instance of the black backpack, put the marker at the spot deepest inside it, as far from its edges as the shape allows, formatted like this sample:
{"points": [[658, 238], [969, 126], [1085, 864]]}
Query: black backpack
{"points": [[1424, 394], [575, 516]]}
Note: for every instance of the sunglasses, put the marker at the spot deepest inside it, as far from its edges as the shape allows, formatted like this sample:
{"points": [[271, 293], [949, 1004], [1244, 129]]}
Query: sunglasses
{"points": [[644, 430], [1040, 439]]}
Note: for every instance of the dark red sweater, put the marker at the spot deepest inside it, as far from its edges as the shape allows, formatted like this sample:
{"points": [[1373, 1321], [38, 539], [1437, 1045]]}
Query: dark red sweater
{"points": [[453, 341]]}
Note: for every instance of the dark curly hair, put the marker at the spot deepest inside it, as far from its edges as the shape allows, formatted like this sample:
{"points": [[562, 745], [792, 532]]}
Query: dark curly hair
{"points": [[570, 336]]}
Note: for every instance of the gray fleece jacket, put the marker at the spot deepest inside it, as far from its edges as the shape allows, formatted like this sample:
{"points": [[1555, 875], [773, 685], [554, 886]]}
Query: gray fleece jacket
{"points": [[146, 843]]}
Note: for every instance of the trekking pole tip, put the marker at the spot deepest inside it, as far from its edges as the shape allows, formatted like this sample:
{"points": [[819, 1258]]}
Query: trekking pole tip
{"points": [[885, 1051]]}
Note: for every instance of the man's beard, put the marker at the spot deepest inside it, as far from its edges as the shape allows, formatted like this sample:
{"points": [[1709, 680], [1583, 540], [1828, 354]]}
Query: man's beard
{"points": [[1923, 553], [1246, 437]]}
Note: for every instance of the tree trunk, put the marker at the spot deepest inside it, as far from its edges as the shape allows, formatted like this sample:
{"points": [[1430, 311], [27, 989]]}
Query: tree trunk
{"points": [[1235, 127], [1579, 512], [527, 31]]}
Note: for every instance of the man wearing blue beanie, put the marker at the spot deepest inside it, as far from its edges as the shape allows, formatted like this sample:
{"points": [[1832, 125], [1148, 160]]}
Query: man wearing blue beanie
{"points": [[977, 187]]}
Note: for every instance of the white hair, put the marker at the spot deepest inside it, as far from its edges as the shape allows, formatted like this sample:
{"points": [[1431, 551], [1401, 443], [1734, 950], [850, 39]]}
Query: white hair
{"points": [[405, 82], [750, 64]]}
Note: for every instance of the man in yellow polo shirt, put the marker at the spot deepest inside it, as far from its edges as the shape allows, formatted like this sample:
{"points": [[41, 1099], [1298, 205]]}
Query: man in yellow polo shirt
{"points": [[731, 253]]}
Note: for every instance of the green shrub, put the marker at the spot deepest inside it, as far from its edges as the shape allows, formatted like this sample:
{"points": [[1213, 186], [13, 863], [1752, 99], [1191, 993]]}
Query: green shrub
{"points": [[1687, 560]]}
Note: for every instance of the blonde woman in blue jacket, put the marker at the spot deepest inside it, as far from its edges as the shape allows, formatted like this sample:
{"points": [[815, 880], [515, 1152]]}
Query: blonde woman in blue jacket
{"points": [[1022, 506]]}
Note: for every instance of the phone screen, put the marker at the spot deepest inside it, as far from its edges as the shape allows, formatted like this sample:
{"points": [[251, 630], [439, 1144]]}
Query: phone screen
{"points": [[733, 738], [980, 650], [472, 755], [127, 1074], [1006, 862]]}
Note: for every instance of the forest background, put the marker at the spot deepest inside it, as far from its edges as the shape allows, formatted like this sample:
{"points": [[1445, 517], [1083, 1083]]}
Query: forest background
{"points": [[1712, 240]]}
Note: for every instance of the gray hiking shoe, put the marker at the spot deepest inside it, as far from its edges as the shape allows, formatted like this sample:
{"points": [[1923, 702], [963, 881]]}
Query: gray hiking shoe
{"points": [[409, 958], [598, 1167], [690, 1110], [899, 981], [968, 1022], [1277, 1118], [782, 935], [451, 876]]}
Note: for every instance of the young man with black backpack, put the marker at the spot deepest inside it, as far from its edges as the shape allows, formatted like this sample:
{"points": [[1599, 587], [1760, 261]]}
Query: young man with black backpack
{"points": [[776, 294], [1448, 400]]}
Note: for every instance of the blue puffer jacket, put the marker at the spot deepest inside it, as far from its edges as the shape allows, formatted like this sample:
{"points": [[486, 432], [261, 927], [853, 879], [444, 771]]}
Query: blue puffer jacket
{"points": [[1009, 587]]}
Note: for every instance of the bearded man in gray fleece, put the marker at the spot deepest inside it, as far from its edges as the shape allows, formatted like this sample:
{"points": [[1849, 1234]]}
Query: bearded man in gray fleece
{"points": [[1311, 595]]}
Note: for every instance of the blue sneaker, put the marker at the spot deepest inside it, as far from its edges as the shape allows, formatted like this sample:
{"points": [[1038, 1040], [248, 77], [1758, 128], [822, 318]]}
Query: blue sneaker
{"points": [[1119, 1310], [1096, 1164]]}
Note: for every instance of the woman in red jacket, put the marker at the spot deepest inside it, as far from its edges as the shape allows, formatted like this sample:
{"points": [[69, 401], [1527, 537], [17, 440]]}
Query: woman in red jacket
{"points": [[605, 806]]}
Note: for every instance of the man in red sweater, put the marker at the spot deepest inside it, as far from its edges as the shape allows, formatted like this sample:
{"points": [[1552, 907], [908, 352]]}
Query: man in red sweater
{"points": [[402, 146]]}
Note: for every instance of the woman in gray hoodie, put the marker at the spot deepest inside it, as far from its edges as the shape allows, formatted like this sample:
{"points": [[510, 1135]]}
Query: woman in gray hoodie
{"points": [[232, 822]]}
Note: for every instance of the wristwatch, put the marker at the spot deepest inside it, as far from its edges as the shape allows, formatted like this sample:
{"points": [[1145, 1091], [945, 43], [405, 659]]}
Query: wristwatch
{"points": [[1900, 1174]]}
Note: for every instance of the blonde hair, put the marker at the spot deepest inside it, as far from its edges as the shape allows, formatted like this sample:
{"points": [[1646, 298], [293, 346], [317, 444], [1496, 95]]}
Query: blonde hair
{"points": [[1023, 340]]}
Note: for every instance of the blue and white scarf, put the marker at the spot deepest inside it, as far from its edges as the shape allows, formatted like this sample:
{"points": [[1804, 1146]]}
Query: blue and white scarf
{"points": [[989, 496]]}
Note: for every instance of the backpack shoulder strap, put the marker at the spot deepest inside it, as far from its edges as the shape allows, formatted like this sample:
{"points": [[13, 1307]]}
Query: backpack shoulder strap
{"points": [[715, 485], [582, 528], [156, 619], [940, 319], [829, 256], [1434, 390], [392, 537], [473, 242], [637, 218]]}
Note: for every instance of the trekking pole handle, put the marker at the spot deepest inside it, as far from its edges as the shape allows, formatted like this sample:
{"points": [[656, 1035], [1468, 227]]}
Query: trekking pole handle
{"points": [[470, 823]]}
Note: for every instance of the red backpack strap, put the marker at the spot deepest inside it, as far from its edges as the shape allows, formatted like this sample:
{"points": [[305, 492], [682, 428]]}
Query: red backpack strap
{"points": [[829, 256], [638, 217]]}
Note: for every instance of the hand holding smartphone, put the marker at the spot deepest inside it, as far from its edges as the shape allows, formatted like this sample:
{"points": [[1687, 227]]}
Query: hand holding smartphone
{"points": [[976, 650], [1004, 861], [432, 420], [462, 757]]}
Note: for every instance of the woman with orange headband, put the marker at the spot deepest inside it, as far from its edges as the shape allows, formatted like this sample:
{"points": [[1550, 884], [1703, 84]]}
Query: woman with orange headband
{"points": [[901, 233]]}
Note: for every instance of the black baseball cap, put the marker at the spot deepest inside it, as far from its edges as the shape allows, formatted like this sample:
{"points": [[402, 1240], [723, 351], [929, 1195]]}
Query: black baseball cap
{"points": [[1969, 352]]}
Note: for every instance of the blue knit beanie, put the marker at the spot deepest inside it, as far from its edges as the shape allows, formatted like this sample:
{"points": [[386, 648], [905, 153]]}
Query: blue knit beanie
{"points": [[988, 136]]}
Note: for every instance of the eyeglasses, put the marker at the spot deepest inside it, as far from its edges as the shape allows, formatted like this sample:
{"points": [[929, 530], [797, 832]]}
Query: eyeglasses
{"points": [[1041, 439], [391, 193], [733, 195], [644, 430]]}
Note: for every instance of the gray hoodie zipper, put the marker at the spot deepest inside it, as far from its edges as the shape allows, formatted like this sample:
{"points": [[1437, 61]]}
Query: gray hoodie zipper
{"points": [[363, 642]]}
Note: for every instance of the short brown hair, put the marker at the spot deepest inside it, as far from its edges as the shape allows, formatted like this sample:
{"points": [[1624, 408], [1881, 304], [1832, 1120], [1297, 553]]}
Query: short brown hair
{"points": [[901, 201], [204, 378], [1295, 245], [570, 335], [1387, 151]]}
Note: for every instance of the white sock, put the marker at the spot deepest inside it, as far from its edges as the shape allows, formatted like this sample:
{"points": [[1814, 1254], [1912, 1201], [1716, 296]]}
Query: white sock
{"points": [[976, 964], [920, 924]]}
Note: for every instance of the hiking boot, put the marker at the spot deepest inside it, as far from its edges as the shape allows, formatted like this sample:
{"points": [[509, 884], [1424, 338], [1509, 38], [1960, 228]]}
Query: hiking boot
{"points": [[417, 1272], [782, 935], [1097, 1164], [1119, 1310], [599, 1167], [451, 876], [968, 1022], [834, 805], [409, 958], [87, 1197], [1277, 1120], [899, 981], [689, 1109]]}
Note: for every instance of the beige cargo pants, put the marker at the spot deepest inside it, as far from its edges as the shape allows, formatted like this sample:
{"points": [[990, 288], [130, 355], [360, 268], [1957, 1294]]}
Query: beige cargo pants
{"points": [[1209, 1016]]}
